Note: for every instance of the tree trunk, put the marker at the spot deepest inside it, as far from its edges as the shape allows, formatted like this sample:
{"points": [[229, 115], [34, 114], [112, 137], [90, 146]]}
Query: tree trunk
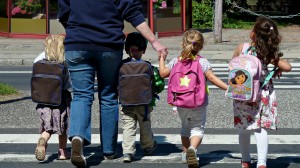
{"points": [[218, 21]]}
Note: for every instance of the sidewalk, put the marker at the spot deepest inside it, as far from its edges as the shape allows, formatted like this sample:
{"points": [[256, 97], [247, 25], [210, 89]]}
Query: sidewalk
{"points": [[23, 51]]}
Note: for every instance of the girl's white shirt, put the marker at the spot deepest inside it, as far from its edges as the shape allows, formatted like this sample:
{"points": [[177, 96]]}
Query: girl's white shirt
{"points": [[41, 56]]}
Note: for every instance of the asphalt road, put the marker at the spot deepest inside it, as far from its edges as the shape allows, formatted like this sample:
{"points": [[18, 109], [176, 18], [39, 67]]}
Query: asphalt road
{"points": [[19, 125]]}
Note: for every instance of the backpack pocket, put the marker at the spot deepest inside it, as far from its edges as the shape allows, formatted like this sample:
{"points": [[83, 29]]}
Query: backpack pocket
{"points": [[185, 97], [46, 89], [135, 89]]}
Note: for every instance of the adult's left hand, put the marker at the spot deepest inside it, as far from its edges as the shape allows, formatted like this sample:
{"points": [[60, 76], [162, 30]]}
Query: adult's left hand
{"points": [[161, 49]]}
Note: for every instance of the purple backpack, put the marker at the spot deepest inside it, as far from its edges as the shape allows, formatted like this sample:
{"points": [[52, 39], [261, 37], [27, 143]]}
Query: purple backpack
{"points": [[244, 76], [187, 87]]}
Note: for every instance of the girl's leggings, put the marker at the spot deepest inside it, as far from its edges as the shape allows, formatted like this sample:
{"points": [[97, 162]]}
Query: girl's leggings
{"points": [[262, 142]]}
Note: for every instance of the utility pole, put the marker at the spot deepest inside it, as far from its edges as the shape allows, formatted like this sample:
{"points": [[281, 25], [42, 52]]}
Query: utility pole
{"points": [[218, 21]]}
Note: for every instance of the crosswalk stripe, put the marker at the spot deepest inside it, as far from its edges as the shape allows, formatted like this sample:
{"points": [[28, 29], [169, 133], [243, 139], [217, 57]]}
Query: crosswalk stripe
{"points": [[276, 87], [230, 158], [15, 72], [160, 138]]}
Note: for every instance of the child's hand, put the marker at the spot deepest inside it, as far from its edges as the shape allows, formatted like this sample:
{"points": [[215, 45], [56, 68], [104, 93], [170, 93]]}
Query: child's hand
{"points": [[161, 56], [278, 74]]}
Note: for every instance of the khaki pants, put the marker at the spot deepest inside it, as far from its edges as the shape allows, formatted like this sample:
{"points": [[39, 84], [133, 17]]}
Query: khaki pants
{"points": [[130, 116]]}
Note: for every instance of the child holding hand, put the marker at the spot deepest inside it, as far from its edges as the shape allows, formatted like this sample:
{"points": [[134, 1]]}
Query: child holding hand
{"points": [[256, 117], [135, 47], [192, 119]]}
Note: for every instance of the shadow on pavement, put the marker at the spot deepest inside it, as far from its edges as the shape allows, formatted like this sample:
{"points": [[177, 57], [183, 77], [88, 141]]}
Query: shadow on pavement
{"points": [[15, 100]]}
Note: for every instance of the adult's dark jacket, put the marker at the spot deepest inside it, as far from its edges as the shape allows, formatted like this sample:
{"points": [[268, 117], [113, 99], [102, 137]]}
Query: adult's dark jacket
{"points": [[97, 25]]}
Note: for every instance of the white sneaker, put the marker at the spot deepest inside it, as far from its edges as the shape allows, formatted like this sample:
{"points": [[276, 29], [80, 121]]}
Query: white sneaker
{"points": [[77, 157], [192, 157], [127, 158]]}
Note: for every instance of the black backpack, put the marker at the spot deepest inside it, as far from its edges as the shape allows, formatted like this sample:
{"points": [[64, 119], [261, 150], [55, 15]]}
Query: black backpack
{"points": [[47, 82], [135, 83]]}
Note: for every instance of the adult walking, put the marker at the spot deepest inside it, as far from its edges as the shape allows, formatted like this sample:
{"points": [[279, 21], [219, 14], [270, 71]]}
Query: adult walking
{"points": [[94, 43]]}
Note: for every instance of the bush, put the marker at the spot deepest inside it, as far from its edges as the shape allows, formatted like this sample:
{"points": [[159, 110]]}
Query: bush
{"points": [[202, 14]]}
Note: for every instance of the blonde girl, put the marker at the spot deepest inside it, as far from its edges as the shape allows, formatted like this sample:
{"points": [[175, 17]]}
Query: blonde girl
{"points": [[54, 119], [192, 120]]}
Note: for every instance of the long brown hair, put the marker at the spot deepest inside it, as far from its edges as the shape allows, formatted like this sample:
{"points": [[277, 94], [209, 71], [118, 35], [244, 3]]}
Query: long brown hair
{"points": [[267, 40]]}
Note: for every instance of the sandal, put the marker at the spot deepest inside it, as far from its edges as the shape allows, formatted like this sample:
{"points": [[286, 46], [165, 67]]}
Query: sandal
{"points": [[40, 151], [63, 154]]}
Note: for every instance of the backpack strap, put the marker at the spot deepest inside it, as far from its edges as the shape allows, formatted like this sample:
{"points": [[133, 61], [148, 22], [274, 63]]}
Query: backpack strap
{"points": [[247, 48], [269, 77]]}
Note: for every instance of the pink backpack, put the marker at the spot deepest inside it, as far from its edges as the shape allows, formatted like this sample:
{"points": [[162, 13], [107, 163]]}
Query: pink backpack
{"points": [[244, 76], [186, 86]]}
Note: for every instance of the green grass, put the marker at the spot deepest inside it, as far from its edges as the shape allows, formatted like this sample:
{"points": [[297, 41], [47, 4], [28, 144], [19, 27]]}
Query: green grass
{"points": [[6, 89], [239, 24]]}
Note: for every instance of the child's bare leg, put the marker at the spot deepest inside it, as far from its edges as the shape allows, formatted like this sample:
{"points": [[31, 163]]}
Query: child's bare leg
{"points": [[185, 143], [196, 141], [62, 139], [46, 135], [62, 151]]}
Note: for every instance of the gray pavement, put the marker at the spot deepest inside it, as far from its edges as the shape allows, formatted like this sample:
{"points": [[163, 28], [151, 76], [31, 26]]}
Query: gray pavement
{"points": [[23, 51]]}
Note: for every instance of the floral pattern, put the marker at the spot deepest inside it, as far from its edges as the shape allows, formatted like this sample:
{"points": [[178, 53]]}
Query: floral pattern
{"points": [[261, 114], [55, 119]]}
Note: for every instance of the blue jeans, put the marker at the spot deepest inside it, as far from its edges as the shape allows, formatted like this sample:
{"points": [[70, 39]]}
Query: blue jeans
{"points": [[82, 67]]}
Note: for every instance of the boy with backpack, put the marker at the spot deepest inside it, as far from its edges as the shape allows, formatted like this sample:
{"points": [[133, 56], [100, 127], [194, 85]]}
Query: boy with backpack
{"points": [[187, 92], [139, 84]]}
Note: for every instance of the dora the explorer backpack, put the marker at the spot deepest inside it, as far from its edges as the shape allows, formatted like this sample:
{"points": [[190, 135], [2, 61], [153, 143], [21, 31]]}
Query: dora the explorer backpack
{"points": [[187, 87], [135, 83], [47, 82], [245, 72]]}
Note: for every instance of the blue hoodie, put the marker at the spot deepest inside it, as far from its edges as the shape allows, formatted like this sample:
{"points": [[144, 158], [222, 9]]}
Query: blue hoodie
{"points": [[97, 25]]}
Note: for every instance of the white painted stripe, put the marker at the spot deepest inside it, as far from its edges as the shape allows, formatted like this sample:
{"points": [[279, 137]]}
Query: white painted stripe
{"points": [[160, 138], [287, 86], [174, 157], [276, 86], [284, 74], [15, 72], [226, 65]]}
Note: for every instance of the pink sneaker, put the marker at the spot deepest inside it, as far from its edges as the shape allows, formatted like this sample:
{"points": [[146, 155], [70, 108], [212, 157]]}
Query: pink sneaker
{"points": [[63, 154], [245, 164]]}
